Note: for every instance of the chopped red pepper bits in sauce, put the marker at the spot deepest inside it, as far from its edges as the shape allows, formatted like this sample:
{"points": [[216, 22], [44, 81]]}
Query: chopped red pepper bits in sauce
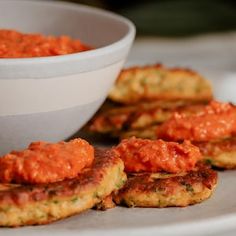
{"points": [[217, 120], [143, 155], [14, 44], [45, 162]]}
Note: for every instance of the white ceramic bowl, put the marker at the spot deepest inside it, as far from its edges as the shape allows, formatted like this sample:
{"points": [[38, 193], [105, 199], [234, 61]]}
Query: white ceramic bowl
{"points": [[50, 98]]}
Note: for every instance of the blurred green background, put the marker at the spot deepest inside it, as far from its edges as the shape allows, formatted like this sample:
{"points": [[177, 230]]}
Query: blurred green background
{"points": [[173, 18]]}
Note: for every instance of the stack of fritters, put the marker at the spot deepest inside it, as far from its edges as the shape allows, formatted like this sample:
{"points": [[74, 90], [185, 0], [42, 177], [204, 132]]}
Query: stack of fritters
{"points": [[144, 97]]}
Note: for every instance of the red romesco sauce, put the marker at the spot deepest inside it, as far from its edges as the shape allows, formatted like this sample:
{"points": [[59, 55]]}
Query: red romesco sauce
{"points": [[14, 44], [45, 162], [143, 155], [217, 120]]}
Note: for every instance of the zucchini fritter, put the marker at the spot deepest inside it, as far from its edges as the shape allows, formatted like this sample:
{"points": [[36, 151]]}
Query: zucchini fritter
{"points": [[161, 190], [43, 203], [147, 132], [221, 153], [157, 82], [138, 116]]}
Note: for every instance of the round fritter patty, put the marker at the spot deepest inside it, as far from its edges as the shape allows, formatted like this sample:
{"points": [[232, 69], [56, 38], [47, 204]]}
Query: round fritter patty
{"points": [[40, 204], [156, 82], [138, 116], [164, 190], [220, 153]]}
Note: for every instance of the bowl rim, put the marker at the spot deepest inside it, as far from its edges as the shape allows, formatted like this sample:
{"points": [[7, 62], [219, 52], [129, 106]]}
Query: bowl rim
{"points": [[74, 56]]}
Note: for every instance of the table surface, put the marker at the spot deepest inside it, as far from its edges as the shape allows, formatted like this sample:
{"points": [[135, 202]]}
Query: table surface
{"points": [[213, 51]]}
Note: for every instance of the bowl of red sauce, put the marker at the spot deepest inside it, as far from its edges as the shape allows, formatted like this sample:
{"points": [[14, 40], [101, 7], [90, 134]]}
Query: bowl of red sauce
{"points": [[57, 64]]}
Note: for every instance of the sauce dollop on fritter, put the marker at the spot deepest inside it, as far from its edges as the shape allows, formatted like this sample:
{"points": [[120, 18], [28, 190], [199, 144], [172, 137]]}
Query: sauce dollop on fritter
{"points": [[217, 120], [143, 155], [45, 162]]}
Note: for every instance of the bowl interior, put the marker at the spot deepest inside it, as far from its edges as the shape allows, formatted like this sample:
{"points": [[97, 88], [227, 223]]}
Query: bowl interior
{"points": [[94, 27]]}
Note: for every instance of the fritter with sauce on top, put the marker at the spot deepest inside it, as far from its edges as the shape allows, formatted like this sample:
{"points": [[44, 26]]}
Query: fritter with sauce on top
{"points": [[212, 129], [118, 119], [42, 203], [180, 180], [215, 121]]}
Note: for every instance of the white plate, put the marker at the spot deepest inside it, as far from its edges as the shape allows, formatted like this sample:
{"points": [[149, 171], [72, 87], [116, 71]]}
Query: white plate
{"points": [[216, 216]]}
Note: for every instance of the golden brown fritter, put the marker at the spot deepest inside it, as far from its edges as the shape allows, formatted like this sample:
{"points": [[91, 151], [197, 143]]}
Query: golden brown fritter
{"points": [[221, 153], [41, 204], [165, 190], [122, 118], [157, 82]]}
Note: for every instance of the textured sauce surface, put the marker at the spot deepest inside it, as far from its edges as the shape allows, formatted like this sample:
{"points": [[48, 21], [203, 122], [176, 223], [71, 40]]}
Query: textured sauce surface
{"points": [[14, 44], [215, 121], [140, 155], [45, 162]]}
